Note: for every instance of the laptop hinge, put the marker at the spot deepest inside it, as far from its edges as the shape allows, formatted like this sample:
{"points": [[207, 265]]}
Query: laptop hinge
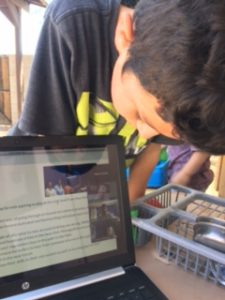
{"points": [[68, 285]]}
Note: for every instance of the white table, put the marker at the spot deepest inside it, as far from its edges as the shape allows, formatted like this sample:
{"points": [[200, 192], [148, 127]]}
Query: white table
{"points": [[176, 283]]}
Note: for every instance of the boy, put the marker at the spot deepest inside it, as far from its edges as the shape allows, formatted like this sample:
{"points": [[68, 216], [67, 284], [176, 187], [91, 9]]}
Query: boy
{"points": [[102, 67]]}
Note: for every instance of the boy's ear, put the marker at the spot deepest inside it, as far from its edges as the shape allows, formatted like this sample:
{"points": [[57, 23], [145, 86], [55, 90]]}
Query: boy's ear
{"points": [[124, 30]]}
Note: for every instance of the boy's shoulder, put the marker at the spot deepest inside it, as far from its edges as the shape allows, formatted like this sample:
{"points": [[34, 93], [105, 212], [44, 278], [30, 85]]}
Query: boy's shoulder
{"points": [[59, 9]]}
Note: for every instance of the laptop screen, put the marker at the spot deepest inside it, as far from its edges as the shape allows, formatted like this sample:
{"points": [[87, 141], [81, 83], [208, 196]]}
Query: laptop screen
{"points": [[64, 210]]}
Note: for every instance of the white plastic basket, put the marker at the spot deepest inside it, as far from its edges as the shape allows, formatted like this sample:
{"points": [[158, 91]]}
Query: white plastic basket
{"points": [[173, 228]]}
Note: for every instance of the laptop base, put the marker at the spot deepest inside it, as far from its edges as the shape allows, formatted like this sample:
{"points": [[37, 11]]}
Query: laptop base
{"points": [[133, 285]]}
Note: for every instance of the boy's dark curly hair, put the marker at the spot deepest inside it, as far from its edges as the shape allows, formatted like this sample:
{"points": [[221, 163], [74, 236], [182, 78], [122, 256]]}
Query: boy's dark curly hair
{"points": [[178, 54]]}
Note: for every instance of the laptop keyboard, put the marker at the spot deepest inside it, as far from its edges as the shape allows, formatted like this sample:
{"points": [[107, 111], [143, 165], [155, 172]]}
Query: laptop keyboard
{"points": [[134, 285], [139, 293]]}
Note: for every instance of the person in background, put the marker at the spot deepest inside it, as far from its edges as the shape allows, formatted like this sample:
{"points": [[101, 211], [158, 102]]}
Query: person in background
{"points": [[59, 187], [49, 190], [189, 167], [138, 69], [68, 189], [103, 192]]}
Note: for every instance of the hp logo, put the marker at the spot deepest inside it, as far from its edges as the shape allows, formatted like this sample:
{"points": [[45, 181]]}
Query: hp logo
{"points": [[25, 285]]}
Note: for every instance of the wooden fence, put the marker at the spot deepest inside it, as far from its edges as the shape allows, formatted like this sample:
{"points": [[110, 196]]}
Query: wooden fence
{"points": [[5, 105], [9, 112]]}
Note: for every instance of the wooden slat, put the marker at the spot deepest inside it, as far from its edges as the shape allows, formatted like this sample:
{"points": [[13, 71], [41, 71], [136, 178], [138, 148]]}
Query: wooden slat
{"points": [[5, 106], [4, 73], [11, 12], [42, 3], [21, 4], [24, 4], [221, 177], [3, 3]]}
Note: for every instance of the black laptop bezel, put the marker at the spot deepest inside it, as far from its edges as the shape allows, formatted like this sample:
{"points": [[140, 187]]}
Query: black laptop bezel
{"points": [[11, 285]]}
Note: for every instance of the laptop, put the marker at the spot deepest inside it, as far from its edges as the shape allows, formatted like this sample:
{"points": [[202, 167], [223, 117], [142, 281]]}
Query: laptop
{"points": [[65, 229]]}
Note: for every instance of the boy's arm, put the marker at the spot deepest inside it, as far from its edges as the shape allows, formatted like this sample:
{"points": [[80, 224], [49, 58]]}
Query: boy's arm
{"points": [[141, 170], [192, 166]]}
